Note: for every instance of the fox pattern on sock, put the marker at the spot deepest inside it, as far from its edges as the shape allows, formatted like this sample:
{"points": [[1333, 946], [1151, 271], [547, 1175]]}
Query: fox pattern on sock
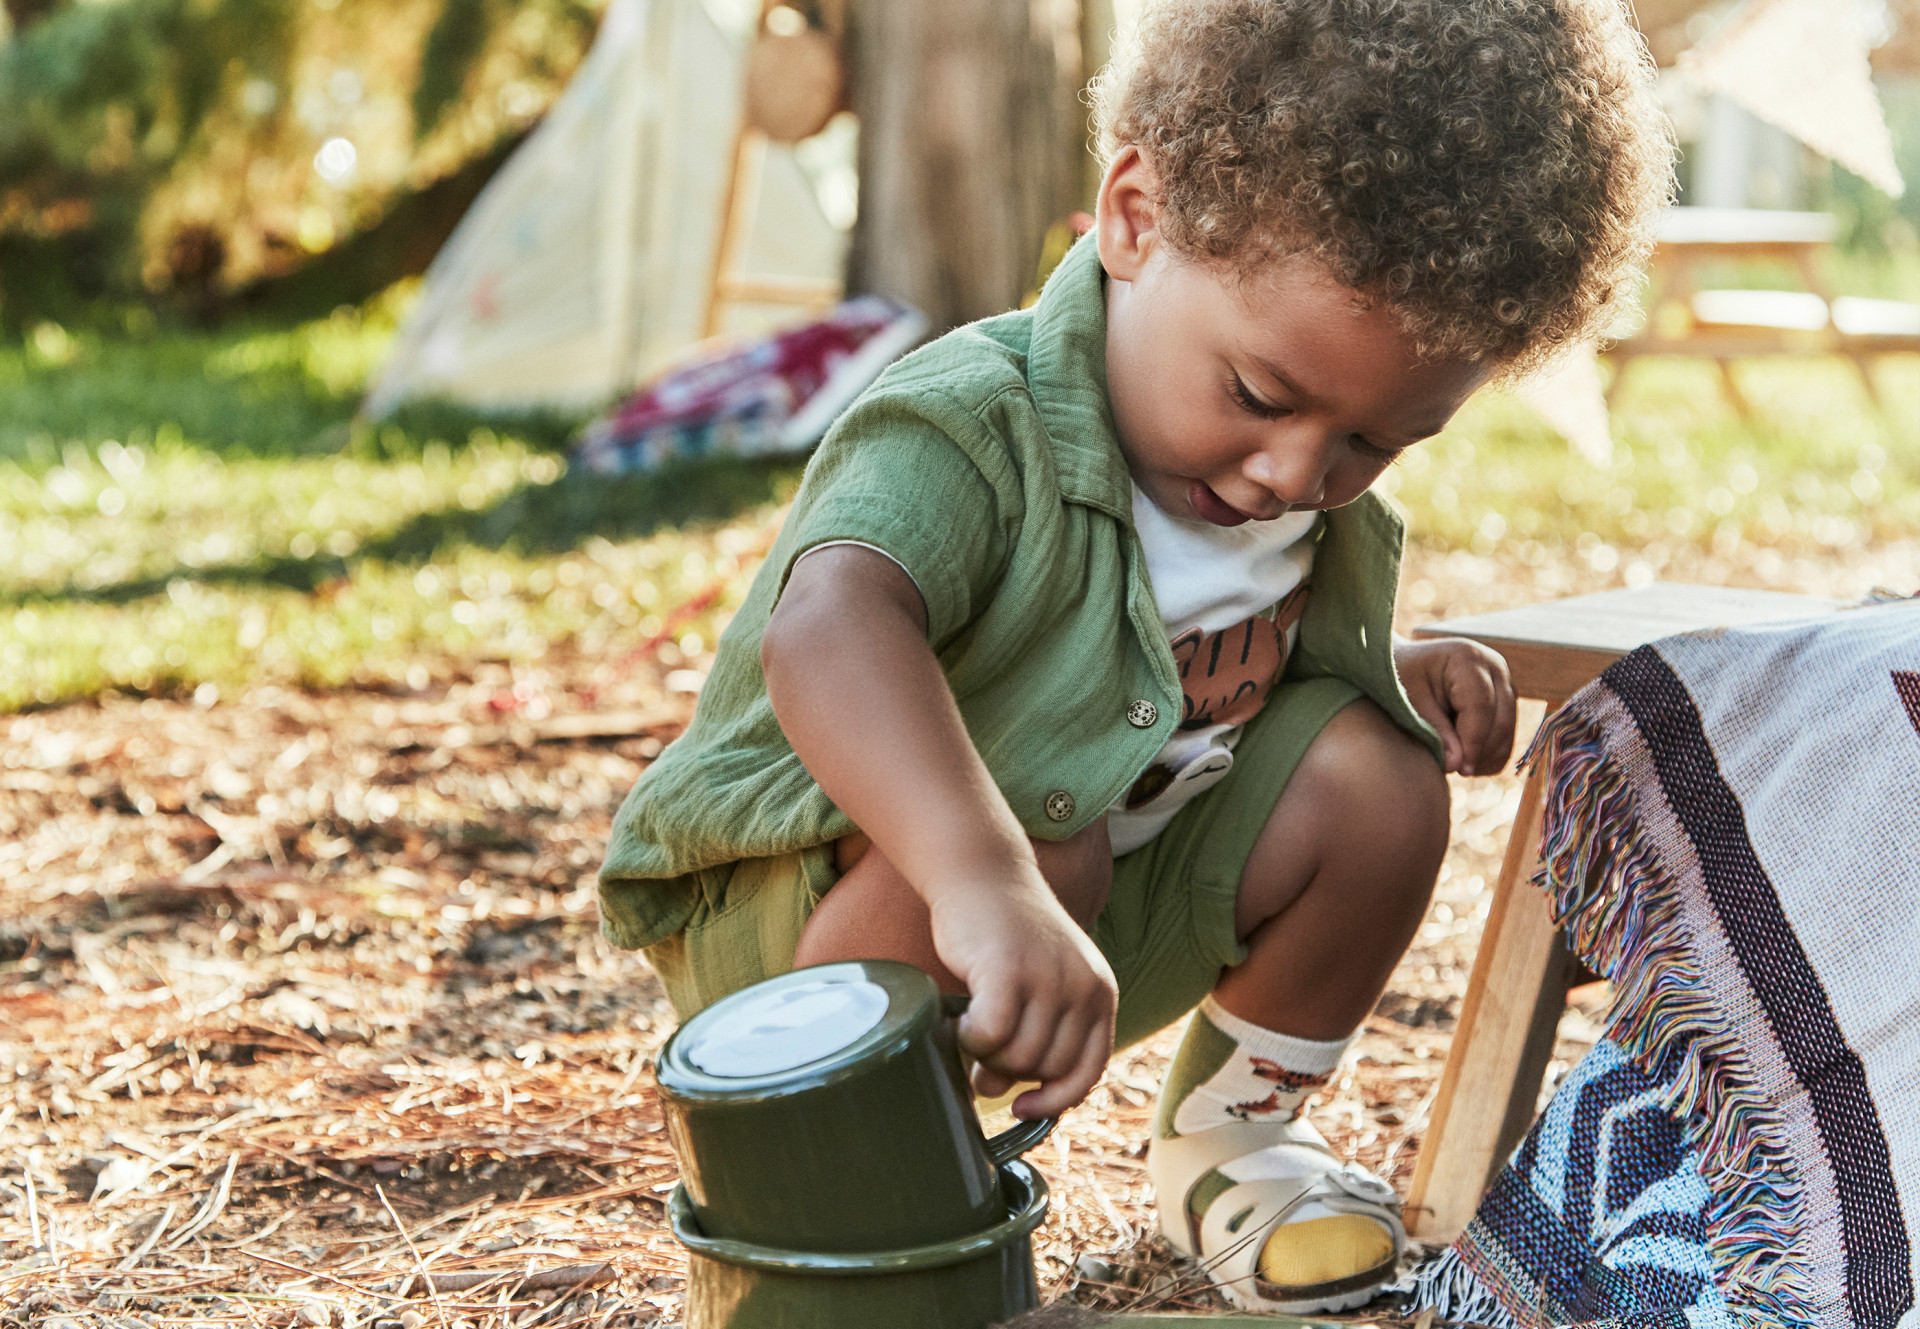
{"points": [[1230, 1070], [1290, 1094]]}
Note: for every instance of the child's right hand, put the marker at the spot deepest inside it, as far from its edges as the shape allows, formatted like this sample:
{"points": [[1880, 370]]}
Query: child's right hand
{"points": [[1043, 996]]}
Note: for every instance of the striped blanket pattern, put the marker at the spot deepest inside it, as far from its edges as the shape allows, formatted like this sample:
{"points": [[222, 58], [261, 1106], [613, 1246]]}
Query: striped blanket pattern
{"points": [[1733, 838]]}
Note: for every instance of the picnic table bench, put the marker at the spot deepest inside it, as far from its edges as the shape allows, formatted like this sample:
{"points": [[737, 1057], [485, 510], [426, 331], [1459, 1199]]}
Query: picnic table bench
{"points": [[1725, 325]]}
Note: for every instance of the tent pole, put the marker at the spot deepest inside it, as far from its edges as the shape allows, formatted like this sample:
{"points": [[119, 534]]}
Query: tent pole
{"points": [[735, 212], [743, 194]]}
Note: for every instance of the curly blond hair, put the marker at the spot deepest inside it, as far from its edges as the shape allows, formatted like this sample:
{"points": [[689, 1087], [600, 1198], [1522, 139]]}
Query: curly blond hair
{"points": [[1490, 169]]}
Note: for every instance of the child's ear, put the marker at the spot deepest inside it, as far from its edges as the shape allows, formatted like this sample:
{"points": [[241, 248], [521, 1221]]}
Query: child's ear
{"points": [[1128, 226]]}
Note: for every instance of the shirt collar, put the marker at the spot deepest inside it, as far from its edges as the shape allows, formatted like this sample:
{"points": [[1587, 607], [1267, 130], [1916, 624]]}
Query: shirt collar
{"points": [[1067, 372]]}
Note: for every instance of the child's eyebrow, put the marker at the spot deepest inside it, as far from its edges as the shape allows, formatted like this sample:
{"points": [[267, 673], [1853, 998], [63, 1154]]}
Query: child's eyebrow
{"points": [[1281, 377]]}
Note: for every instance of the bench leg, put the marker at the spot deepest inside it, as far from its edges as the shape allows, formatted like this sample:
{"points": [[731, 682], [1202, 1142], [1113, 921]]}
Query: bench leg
{"points": [[1731, 386], [1864, 365], [1502, 1044]]}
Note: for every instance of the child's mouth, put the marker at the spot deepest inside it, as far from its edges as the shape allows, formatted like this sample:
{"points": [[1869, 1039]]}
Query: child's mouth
{"points": [[1209, 506]]}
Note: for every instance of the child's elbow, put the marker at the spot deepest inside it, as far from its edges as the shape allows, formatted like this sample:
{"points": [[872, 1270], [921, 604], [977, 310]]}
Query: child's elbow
{"points": [[786, 639], [774, 644]]}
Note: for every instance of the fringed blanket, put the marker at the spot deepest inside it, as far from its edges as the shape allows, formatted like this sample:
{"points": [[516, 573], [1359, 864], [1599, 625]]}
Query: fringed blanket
{"points": [[1733, 838]]}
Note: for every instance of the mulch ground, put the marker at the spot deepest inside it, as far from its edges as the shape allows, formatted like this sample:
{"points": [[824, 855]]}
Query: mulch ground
{"points": [[307, 1021]]}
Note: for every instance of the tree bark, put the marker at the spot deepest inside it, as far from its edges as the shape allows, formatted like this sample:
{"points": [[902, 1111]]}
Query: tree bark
{"points": [[972, 142], [1099, 21]]}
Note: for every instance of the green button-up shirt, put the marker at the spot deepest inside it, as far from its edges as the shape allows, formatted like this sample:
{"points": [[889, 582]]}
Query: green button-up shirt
{"points": [[986, 463]]}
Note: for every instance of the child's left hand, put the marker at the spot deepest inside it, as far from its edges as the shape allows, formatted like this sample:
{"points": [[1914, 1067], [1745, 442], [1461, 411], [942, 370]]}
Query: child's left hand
{"points": [[1461, 688]]}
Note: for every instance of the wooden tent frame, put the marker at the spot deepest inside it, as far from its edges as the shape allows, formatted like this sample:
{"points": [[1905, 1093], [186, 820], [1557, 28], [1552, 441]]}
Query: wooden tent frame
{"points": [[726, 285]]}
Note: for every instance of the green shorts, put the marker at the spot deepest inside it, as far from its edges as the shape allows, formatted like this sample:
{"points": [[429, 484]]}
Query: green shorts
{"points": [[1168, 928]]}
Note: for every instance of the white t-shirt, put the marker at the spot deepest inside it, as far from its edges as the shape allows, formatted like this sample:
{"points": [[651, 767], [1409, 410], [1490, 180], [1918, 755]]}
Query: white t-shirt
{"points": [[1231, 598]]}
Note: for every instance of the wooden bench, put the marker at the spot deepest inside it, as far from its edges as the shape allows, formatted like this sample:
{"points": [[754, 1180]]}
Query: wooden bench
{"points": [[1517, 992]]}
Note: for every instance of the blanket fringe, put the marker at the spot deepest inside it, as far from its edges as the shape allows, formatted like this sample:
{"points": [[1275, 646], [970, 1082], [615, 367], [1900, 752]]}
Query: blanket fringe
{"points": [[1447, 1285], [1622, 910]]}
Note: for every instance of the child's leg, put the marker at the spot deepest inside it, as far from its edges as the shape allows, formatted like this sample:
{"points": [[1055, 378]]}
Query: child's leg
{"points": [[1337, 882], [873, 914]]}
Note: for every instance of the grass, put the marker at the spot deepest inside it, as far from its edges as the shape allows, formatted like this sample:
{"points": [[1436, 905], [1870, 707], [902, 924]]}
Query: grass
{"points": [[188, 510], [181, 510], [1816, 467]]}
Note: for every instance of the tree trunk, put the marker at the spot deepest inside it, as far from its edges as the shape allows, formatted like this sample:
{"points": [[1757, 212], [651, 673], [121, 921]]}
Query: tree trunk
{"points": [[1099, 21], [972, 142]]}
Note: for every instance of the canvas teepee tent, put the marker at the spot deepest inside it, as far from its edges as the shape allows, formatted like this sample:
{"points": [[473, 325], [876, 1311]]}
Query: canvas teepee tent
{"points": [[590, 260]]}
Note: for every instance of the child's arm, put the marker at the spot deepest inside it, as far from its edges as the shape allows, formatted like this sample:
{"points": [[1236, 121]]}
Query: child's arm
{"points": [[861, 697]]}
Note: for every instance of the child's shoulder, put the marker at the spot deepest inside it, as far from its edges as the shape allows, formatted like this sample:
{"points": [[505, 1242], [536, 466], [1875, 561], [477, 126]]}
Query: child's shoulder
{"points": [[968, 367]]}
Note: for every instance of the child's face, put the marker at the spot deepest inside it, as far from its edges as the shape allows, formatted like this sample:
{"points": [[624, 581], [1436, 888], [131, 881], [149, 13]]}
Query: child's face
{"points": [[1243, 400]]}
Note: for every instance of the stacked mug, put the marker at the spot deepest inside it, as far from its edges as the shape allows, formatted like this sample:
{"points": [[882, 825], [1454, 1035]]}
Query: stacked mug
{"points": [[834, 1174]]}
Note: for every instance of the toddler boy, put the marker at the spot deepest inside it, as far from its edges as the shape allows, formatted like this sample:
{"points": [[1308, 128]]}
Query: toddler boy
{"points": [[1071, 678]]}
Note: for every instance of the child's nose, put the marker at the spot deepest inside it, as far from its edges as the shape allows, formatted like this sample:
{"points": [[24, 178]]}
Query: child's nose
{"points": [[1293, 469]]}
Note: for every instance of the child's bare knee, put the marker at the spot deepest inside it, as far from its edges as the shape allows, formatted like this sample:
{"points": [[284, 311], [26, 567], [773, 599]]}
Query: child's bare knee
{"points": [[1364, 771], [1080, 869]]}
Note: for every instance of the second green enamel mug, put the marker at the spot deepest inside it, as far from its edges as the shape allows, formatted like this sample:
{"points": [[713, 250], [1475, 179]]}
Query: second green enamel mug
{"points": [[826, 1110]]}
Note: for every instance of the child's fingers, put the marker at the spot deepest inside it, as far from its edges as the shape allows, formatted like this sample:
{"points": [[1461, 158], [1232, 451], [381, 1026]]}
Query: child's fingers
{"points": [[1506, 707], [1050, 1100], [1081, 1039], [1069, 1045], [1472, 721], [1484, 715], [990, 1021], [989, 1083], [1024, 1056], [1428, 708]]}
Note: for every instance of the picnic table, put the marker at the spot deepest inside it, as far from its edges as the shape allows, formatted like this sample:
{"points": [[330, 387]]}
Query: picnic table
{"points": [[1726, 325]]}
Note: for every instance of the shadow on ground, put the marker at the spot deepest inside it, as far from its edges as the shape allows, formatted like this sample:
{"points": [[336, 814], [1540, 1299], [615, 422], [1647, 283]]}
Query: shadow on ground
{"points": [[532, 519]]}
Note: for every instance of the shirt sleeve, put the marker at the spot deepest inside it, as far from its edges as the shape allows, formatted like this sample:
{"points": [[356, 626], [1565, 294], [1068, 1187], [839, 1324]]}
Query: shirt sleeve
{"points": [[860, 544], [903, 475]]}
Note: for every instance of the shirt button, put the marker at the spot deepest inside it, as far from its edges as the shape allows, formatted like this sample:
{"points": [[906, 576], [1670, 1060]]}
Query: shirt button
{"points": [[1059, 805], [1142, 714]]}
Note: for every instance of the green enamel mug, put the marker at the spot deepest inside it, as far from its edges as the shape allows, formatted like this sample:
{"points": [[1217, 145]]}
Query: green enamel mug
{"points": [[825, 1110], [967, 1282]]}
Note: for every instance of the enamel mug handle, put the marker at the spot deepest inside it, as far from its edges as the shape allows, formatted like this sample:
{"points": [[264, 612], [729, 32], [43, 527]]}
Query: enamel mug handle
{"points": [[1022, 1135]]}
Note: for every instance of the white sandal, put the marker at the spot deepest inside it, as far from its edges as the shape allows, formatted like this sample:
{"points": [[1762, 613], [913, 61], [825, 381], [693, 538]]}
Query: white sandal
{"points": [[1285, 1173]]}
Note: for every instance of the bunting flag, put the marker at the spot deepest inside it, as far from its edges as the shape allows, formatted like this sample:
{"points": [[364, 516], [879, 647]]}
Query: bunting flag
{"points": [[1802, 65], [1569, 396]]}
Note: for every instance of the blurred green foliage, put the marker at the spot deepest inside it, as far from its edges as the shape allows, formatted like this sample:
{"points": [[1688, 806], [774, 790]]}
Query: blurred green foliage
{"points": [[1873, 225], [97, 103], [457, 38], [1816, 468], [164, 148], [186, 508]]}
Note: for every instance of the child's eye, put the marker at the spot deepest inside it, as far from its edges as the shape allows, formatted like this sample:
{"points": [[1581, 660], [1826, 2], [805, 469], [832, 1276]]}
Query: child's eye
{"points": [[1366, 449], [1237, 389]]}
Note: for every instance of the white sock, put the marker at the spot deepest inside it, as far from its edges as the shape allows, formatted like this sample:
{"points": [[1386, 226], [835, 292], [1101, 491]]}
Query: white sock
{"points": [[1266, 1078]]}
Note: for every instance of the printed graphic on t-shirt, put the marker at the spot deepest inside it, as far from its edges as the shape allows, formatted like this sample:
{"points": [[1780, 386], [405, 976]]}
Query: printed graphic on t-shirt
{"points": [[1225, 677]]}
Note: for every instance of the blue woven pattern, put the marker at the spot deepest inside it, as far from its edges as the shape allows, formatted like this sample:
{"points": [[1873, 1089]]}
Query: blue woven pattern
{"points": [[1599, 1219]]}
